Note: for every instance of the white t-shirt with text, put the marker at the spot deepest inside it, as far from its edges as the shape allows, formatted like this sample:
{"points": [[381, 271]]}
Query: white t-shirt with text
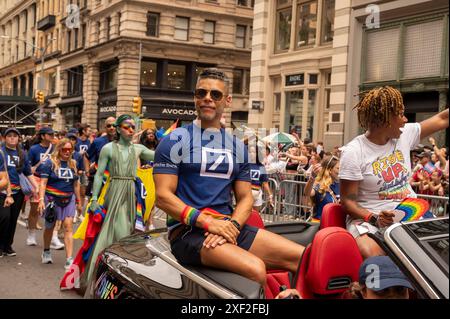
{"points": [[383, 170]]}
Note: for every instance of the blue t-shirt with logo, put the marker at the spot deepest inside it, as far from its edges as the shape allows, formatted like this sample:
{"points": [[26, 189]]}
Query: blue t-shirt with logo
{"points": [[2, 164], [12, 157], [79, 159], [35, 154], [258, 175], [320, 200], [207, 163], [82, 146], [60, 183], [94, 149]]}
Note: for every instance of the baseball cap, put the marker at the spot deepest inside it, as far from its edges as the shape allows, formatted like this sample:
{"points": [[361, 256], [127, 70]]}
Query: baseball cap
{"points": [[71, 135], [73, 130], [46, 130], [379, 273], [11, 129]]}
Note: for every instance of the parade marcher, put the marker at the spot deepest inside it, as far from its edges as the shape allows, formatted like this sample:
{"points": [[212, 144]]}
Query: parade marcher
{"points": [[18, 167], [93, 152], [79, 159], [323, 188], [259, 179], [5, 202], [59, 196], [194, 188], [37, 155], [392, 283], [375, 167], [148, 139], [121, 156]]}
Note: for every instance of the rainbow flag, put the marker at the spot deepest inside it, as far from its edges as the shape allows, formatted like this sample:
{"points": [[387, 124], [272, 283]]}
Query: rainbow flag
{"points": [[414, 208], [171, 128]]}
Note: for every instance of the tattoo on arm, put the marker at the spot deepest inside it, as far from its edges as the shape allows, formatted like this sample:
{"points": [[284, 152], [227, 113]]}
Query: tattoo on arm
{"points": [[353, 197]]}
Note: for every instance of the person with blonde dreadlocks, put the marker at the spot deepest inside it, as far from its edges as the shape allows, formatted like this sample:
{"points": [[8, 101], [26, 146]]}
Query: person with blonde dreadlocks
{"points": [[375, 167]]}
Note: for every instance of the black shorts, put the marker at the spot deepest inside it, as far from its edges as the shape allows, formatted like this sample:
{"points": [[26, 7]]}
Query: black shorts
{"points": [[187, 245]]}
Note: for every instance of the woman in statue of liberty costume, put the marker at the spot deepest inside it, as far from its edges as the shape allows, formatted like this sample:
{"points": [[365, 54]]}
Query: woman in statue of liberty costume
{"points": [[121, 157]]}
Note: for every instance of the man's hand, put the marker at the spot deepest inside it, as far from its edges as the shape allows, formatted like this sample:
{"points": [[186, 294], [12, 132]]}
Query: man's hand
{"points": [[41, 207], [288, 293], [212, 240], [432, 140], [385, 218], [94, 205], [8, 201], [225, 229]]}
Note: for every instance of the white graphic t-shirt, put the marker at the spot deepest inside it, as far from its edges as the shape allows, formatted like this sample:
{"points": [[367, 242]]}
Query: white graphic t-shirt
{"points": [[384, 170]]}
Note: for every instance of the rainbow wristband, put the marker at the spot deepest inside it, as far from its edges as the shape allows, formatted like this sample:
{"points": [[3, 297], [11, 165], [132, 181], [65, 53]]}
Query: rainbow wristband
{"points": [[189, 215]]}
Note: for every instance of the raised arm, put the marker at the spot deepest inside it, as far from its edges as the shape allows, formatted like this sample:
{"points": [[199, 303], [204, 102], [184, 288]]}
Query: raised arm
{"points": [[434, 124]]}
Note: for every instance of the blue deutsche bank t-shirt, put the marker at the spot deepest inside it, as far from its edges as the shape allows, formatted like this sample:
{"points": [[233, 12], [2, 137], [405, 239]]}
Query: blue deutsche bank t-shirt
{"points": [[320, 200], [258, 175], [35, 154], [12, 157], [82, 146], [94, 149], [207, 163], [61, 182], [79, 159]]}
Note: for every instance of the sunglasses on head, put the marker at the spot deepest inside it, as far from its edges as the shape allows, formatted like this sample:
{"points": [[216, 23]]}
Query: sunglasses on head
{"points": [[127, 126], [329, 161], [216, 95]]}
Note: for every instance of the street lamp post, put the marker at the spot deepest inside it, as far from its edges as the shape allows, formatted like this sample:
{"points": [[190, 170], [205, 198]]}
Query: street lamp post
{"points": [[41, 82]]}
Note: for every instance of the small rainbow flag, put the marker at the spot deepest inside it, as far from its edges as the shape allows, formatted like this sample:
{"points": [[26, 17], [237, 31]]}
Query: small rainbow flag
{"points": [[414, 208], [105, 173], [171, 128]]}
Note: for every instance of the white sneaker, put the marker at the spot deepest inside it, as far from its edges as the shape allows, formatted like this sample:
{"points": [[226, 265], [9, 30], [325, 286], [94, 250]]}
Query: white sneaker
{"points": [[56, 244], [68, 263], [47, 257], [31, 239]]}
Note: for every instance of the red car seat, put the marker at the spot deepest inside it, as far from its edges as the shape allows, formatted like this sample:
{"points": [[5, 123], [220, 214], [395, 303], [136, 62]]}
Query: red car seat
{"points": [[276, 279], [255, 220], [329, 264], [333, 215]]}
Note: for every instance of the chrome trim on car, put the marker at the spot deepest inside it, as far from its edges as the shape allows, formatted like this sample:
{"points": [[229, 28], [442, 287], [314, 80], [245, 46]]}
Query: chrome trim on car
{"points": [[160, 248], [407, 263]]}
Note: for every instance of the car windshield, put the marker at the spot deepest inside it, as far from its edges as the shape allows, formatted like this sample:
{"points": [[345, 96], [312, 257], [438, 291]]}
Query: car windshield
{"points": [[433, 235]]}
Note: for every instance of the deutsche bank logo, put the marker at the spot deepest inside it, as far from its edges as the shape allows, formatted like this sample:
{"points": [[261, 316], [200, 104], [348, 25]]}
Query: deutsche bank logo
{"points": [[43, 156], [11, 162], [65, 173], [83, 148], [143, 191], [216, 163], [255, 173]]}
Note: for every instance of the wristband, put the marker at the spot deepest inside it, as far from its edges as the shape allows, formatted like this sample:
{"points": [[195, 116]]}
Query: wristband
{"points": [[77, 200], [189, 215], [206, 223], [367, 217], [236, 224]]}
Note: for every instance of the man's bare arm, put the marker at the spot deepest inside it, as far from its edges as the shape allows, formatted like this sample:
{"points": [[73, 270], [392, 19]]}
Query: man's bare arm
{"points": [[244, 201]]}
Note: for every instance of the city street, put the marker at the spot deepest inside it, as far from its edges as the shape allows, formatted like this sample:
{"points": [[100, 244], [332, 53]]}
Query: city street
{"points": [[24, 276]]}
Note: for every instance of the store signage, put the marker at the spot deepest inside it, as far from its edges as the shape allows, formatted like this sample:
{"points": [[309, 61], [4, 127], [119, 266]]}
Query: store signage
{"points": [[257, 105], [108, 109], [295, 79], [173, 111]]}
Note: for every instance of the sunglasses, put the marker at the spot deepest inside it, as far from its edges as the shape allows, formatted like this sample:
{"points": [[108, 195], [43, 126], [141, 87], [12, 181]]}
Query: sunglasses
{"points": [[127, 126], [329, 161], [216, 95], [66, 150], [109, 125]]}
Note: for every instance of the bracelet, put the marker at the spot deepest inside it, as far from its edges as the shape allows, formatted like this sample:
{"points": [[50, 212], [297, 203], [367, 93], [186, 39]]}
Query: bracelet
{"points": [[206, 223], [367, 217], [189, 215]]}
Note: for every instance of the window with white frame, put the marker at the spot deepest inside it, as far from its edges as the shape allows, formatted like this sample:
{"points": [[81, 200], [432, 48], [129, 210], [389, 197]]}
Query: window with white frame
{"points": [[209, 31], [181, 28]]}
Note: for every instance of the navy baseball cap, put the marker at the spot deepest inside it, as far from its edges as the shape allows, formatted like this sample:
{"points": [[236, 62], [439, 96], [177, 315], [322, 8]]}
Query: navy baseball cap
{"points": [[379, 272], [73, 130], [11, 129], [71, 135], [46, 130]]}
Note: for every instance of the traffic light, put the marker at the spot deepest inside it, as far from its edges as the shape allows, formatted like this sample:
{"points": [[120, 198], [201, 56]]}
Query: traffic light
{"points": [[137, 105], [40, 98]]}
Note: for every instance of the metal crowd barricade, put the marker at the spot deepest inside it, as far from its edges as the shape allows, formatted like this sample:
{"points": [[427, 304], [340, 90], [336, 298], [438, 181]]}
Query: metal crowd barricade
{"points": [[438, 204]]}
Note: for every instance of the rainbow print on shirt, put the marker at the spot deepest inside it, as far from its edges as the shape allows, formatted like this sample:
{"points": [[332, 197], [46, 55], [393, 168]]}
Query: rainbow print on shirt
{"points": [[393, 176]]}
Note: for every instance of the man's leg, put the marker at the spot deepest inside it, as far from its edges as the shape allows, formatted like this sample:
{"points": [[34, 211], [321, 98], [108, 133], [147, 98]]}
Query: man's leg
{"points": [[235, 259], [368, 247], [276, 251]]}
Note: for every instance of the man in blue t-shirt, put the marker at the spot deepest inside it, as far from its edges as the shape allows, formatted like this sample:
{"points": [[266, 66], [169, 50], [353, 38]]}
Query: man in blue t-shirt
{"points": [[196, 167], [93, 152]]}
